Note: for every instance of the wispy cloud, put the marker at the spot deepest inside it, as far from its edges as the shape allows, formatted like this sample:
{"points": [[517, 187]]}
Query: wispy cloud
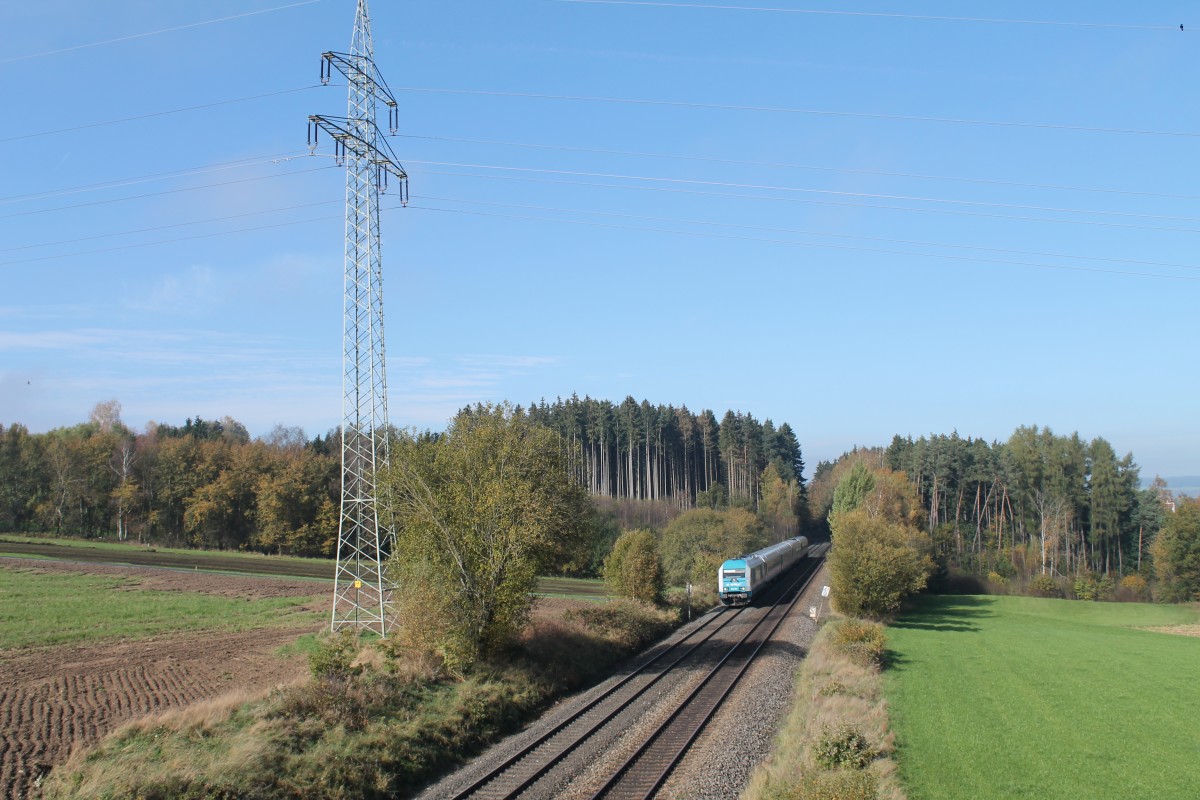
{"points": [[185, 293], [507, 361]]}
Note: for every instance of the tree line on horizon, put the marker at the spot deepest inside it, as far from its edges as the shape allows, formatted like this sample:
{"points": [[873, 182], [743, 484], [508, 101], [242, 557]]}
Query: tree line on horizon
{"points": [[1037, 504], [208, 484]]}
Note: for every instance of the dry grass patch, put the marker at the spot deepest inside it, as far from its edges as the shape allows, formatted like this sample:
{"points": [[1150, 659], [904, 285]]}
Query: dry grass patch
{"points": [[1178, 630], [835, 743]]}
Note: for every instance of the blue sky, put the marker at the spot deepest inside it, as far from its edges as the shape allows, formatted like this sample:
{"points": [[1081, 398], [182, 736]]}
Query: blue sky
{"points": [[862, 223]]}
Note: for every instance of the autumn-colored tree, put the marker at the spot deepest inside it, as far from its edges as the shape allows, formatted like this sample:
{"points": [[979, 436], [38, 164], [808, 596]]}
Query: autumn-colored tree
{"points": [[875, 563], [695, 543], [778, 506], [633, 568], [480, 510]]}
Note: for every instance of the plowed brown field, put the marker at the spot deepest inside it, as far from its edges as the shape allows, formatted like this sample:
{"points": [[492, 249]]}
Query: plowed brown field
{"points": [[53, 699]]}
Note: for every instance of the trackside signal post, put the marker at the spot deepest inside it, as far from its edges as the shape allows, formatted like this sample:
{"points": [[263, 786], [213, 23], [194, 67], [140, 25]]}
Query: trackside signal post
{"points": [[366, 533]]}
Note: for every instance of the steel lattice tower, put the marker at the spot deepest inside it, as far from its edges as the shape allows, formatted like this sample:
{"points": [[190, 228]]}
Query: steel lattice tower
{"points": [[362, 592]]}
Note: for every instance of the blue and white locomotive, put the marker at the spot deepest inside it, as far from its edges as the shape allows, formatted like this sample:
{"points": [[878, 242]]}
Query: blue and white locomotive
{"points": [[740, 580]]}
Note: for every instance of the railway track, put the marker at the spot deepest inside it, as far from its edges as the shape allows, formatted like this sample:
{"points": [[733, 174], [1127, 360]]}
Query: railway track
{"points": [[648, 767], [523, 770]]}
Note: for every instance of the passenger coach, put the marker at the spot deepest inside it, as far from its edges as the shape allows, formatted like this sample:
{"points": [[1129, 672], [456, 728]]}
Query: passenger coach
{"points": [[740, 580]]}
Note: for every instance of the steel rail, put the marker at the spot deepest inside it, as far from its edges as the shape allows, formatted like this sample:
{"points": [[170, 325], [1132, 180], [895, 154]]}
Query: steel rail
{"points": [[694, 712], [569, 747]]}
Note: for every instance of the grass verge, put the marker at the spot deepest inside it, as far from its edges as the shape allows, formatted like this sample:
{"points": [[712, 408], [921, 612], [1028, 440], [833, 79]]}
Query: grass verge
{"points": [[835, 743], [1015, 697], [47, 608], [373, 722]]}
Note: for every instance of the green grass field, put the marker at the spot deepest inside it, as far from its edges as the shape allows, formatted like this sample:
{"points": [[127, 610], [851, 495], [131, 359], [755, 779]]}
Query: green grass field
{"points": [[40, 608], [576, 588], [1017, 697], [124, 553]]}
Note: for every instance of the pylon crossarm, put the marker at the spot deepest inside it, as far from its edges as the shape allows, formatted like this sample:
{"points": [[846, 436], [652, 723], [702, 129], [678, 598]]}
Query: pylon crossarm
{"points": [[359, 70], [378, 152]]}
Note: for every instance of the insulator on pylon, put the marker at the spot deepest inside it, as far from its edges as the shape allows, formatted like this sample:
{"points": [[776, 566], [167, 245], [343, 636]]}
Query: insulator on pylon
{"points": [[326, 70], [394, 119]]}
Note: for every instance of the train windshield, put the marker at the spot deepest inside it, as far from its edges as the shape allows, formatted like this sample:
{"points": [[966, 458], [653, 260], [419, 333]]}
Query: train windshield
{"points": [[735, 573]]}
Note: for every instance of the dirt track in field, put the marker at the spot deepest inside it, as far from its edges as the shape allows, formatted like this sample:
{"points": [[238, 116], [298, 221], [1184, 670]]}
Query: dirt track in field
{"points": [[53, 699]]}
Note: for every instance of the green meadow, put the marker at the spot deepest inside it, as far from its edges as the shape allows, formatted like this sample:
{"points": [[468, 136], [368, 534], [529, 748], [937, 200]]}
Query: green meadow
{"points": [[48, 608], [1018, 697]]}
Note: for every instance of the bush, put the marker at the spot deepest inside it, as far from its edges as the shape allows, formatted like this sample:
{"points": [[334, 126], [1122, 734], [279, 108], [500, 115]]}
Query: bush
{"points": [[633, 568], [875, 564], [1133, 588], [334, 656], [1090, 586], [626, 622], [843, 747], [864, 643], [1044, 586]]}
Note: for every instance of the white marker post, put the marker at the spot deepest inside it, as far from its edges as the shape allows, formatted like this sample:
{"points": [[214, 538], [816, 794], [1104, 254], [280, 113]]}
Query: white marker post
{"points": [[816, 614]]}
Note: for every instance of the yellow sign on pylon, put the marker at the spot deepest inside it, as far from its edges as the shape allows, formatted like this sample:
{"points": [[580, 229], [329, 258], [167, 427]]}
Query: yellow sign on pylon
{"points": [[357, 584]]}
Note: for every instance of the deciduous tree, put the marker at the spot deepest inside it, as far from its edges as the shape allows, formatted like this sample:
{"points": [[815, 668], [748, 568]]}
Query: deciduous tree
{"points": [[633, 568], [874, 563], [480, 510]]}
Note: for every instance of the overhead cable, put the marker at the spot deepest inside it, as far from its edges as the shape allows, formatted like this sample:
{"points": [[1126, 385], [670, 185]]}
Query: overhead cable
{"points": [[810, 201], [164, 192], [768, 229], [154, 33], [786, 165], [87, 125], [117, 183], [843, 13], [767, 240], [785, 110], [806, 190]]}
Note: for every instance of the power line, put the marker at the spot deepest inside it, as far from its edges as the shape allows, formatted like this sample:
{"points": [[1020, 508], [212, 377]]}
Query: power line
{"points": [[786, 165], [166, 227], [557, 209], [154, 33], [812, 244], [804, 190], [167, 241], [164, 192], [117, 183], [807, 111], [709, 223], [922, 17], [162, 113], [883, 251], [738, 196]]}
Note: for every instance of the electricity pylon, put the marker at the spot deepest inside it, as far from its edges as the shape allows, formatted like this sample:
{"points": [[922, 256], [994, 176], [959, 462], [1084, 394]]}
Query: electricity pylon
{"points": [[361, 590]]}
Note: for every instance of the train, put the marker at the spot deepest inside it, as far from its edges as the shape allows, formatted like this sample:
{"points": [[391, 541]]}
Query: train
{"points": [[740, 580]]}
